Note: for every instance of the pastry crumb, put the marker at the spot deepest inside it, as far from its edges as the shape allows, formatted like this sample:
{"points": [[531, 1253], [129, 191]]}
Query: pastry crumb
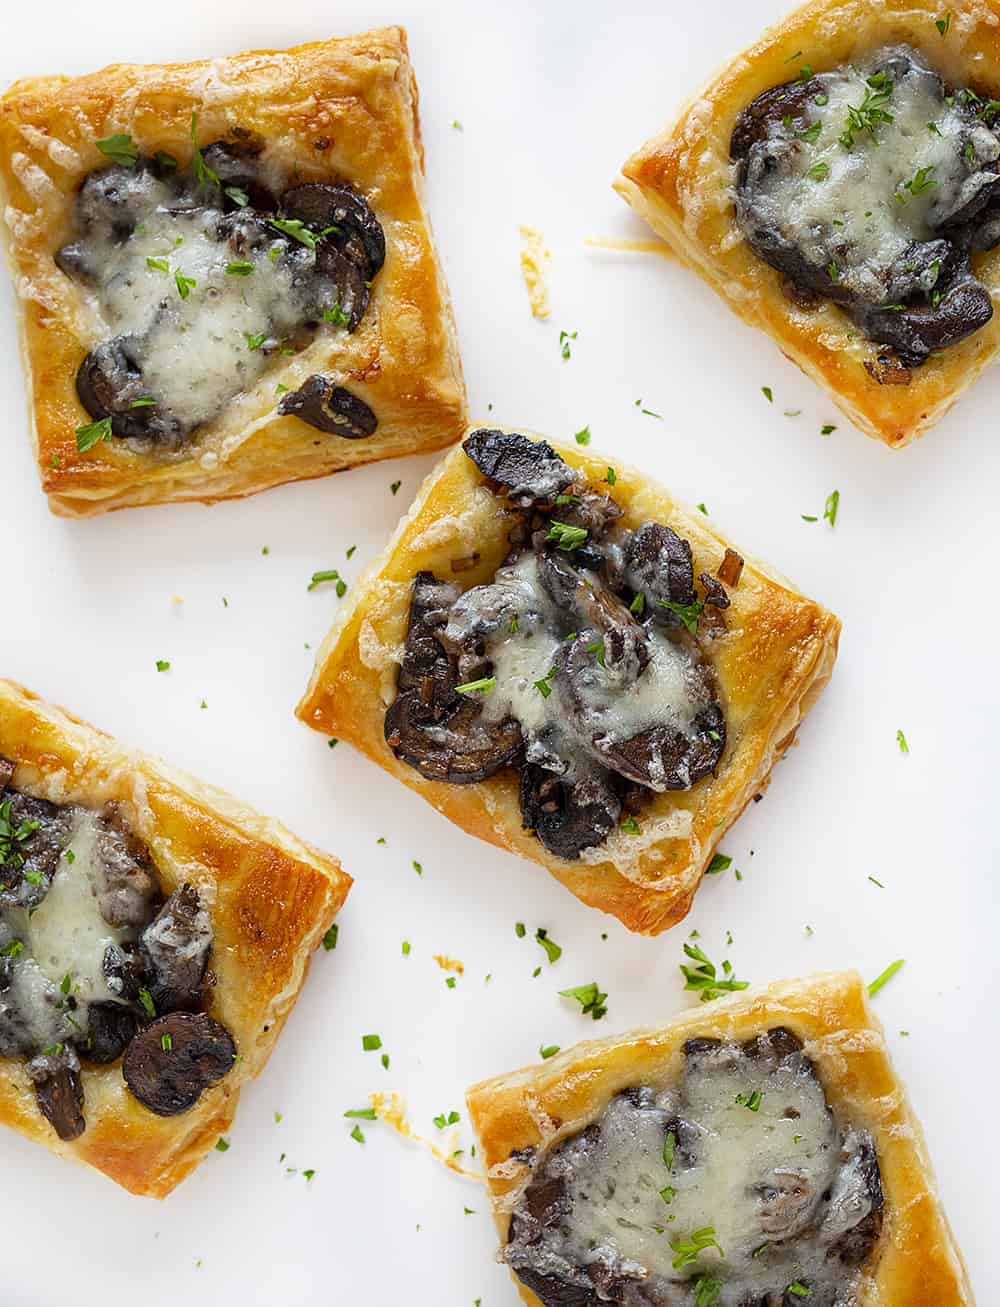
{"points": [[391, 1109], [535, 258], [630, 246], [176, 599], [449, 964]]}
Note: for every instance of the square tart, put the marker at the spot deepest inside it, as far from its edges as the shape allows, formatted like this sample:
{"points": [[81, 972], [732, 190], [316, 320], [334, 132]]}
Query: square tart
{"points": [[917, 1259], [775, 657], [270, 898], [339, 110], [681, 183]]}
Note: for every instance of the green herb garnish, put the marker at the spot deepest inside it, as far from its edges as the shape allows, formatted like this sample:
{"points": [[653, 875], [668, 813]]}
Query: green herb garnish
{"points": [[590, 998]]}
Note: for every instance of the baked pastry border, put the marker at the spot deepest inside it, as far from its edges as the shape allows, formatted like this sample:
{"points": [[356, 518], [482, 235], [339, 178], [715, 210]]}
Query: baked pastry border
{"points": [[681, 180], [770, 673], [270, 896], [334, 109], [918, 1261]]}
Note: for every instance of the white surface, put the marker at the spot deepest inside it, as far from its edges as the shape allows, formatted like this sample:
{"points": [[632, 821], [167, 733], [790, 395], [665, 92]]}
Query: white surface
{"points": [[551, 98]]}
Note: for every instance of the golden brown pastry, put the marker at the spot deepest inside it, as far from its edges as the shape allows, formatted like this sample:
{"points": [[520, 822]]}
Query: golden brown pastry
{"points": [[154, 935], [837, 185], [768, 1126], [571, 665], [225, 273]]}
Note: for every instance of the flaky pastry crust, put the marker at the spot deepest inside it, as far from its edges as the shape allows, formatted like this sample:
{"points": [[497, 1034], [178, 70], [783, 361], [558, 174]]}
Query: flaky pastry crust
{"points": [[329, 111], [681, 183], [917, 1259], [771, 663], [270, 898]]}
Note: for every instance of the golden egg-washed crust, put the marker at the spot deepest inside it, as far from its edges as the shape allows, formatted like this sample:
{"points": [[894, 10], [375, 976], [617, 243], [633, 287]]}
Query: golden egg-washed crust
{"points": [[270, 898], [917, 1259], [681, 183], [343, 110], [775, 657]]}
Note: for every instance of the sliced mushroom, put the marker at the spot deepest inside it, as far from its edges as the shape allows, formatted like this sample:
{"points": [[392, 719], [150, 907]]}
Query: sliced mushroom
{"points": [[341, 207], [55, 1074], [29, 855], [110, 1028], [237, 166], [175, 1059], [568, 816], [130, 891], [857, 1202], [174, 948], [658, 564], [460, 747], [123, 972], [330, 408], [529, 470], [109, 382], [609, 636], [431, 601]]}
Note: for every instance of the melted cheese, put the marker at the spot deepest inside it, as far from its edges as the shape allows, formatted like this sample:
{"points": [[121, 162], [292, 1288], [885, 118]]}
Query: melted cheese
{"points": [[772, 1173], [857, 211]]}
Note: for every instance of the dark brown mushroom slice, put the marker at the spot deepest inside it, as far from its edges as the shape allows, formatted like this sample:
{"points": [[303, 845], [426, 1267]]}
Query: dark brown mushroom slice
{"points": [[321, 206], [568, 816], [603, 621], [108, 383], [664, 758], [31, 859], [460, 747], [529, 470], [715, 591], [123, 971], [237, 166], [170, 1064], [659, 564], [329, 408], [130, 891], [352, 285], [754, 122], [864, 1186], [55, 1074], [174, 949], [591, 511], [110, 1028], [915, 330], [430, 600]]}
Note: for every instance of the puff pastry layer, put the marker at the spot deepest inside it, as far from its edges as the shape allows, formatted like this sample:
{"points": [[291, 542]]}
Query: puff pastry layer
{"points": [[775, 657], [917, 1259], [343, 110], [681, 183], [270, 898]]}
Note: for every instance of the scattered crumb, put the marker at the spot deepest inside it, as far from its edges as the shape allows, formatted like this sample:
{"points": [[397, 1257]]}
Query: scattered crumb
{"points": [[390, 1109], [176, 599], [535, 258], [449, 964], [630, 247]]}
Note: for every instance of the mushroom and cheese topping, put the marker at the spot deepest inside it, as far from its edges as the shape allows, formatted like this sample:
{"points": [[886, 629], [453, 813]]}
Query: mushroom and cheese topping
{"points": [[581, 663], [736, 1187], [872, 185], [198, 279], [94, 963]]}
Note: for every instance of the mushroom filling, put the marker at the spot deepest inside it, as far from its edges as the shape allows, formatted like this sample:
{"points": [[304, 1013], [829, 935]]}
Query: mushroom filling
{"points": [[872, 186], [581, 663], [92, 959], [736, 1187], [200, 278]]}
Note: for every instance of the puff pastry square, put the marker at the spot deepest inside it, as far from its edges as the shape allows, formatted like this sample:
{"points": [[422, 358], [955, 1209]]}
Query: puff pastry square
{"points": [[916, 1259], [270, 898], [774, 660], [681, 182], [332, 111]]}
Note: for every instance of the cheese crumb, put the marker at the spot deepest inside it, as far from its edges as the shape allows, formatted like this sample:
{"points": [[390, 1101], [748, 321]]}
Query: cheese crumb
{"points": [[535, 258]]}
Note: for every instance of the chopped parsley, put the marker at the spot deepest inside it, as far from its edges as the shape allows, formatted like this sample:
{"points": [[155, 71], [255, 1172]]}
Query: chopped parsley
{"points": [[688, 613], [811, 133], [921, 181], [544, 686], [582, 437], [319, 578], [201, 169], [590, 998], [942, 24], [612, 477], [120, 149], [418, 867], [827, 429], [519, 929], [552, 949], [566, 536], [358, 1135], [871, 112], [819, 171], [91, 434], [831, 507], [720, 862], [222, 1145], [631, 827], [162, 665], [669, 1144], [704, 979], [548, 1050], [752, 1100], [239, 268], [451, 1119], [882, 980], [564, 342], [362, 1113], [768, 393], [238, 196], [330, 938], [371, 1042], [12, 838], [797, 1289], [185, 285], [901, 741], [485, 684], [395, 486], [338, 316], [706, 1291], [297, 229], [687, 1251], [648, 412], [255, 341], [405, 949], [157, 265], [148, 1006], [874, 881], [638, 604]]}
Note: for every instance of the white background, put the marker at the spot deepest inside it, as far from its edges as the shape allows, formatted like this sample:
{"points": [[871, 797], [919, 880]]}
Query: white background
{"points": [[551, 98]]}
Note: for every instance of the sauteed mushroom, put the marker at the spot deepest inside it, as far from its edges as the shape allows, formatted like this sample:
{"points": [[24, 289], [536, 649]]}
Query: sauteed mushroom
{"points": [[175, 1059]]}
